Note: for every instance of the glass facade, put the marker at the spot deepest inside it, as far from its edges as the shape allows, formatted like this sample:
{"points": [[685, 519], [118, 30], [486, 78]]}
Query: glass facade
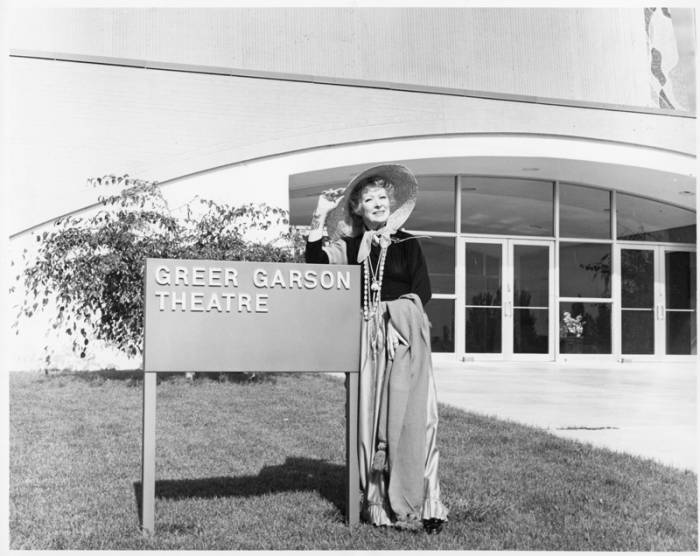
{"points": [[483, 271], [531, 298], [440, 257], [680, 284], [584, 212], [637, 331], [441, 313], [624, 267], [584, 269], [640, 219], [436, 196], [531, 331], [637, 325], [591, 334], [507, 206]]}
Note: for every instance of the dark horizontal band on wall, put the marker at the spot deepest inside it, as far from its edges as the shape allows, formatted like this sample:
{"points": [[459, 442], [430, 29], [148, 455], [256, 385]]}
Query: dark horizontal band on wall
{"points": [[337, 81]]}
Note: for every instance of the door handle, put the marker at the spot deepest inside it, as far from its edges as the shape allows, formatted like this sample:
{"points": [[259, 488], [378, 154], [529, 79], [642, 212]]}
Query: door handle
{"points": [[659, 312]]}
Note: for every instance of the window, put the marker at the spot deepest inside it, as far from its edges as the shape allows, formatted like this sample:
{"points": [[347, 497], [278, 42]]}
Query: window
{"points": [[584, 269], [507, 206], [435, 206], [441, 313], [440, 257], [590, 332], [584, 212], [646, 220]]}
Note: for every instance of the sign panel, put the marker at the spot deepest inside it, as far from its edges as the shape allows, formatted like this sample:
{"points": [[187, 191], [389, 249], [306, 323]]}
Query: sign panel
{"points": [[221, 316]]}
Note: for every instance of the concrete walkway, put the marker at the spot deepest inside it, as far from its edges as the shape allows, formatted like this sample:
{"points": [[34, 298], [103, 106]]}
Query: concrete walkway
{"points": [[645, 409]]}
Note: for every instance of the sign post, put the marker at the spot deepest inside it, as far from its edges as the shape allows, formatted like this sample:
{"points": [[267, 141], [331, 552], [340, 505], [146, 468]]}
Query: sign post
{"points": [[219, 316]]}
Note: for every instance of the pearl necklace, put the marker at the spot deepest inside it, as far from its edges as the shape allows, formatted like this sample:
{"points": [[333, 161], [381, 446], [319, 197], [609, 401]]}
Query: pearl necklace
{"points": [[373, 289]]}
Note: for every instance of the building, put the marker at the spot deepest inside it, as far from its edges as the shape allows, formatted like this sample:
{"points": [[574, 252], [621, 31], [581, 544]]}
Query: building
{"points": [[555, 148]]}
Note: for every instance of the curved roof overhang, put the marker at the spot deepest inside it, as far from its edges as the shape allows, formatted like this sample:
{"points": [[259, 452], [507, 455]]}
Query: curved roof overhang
{"points": [[664, 175]]}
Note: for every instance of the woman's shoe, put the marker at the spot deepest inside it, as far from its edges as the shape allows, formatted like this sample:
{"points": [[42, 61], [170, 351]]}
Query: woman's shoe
{"points": [[433, 526]]}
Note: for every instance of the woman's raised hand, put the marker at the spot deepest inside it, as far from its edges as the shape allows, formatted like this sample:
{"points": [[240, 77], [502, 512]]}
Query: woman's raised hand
{"points": [[393, 339], [328, 200]]}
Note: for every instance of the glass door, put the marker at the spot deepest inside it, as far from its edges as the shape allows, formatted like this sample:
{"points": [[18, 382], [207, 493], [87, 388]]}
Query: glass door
{"points": [[640, 297], [507, 298], [482, 301], [532, 304], [677, 313], [657, 301]]}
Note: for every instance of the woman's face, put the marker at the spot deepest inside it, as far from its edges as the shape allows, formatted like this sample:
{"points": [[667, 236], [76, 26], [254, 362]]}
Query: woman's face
{"points": [[374, 206]]}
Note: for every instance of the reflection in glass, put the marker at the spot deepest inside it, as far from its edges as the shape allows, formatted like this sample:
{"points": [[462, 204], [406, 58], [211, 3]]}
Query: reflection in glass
{"points": [[440, 257], [483, 331], [637, 285], [442, 324], [483, 292], [584, 212], [637, 278], [681, 333], [435, 207], [507, 206], [531, 331], [645, 220], [638, 331], [584, 269], [531, 281], [483, 274], [681, 329], [531, 274], [593, 335], [680, 280]]}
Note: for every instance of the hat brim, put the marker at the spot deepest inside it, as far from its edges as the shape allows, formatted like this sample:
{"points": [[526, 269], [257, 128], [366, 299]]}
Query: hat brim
{"points": [[340, 222]]}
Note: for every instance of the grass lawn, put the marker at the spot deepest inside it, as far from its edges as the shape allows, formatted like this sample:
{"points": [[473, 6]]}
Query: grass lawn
{"points": [[260, 466]]}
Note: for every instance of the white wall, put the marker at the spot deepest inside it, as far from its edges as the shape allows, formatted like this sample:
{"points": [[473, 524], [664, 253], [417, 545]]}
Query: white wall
{"points": [[585, 54], [68, 121]]}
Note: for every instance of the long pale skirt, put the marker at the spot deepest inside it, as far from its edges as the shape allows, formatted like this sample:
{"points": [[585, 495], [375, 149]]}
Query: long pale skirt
{"points": [[398, 405]]}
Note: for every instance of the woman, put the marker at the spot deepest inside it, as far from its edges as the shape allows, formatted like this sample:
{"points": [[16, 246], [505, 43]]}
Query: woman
{"points": [[398, 406]]}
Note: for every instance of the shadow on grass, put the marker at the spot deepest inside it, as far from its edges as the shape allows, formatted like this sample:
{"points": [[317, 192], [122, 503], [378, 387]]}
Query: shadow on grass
{"points": [[135, 376], [295, 474]]}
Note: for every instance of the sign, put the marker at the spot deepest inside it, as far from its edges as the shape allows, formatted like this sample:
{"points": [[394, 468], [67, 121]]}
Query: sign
{"points": [[228, 316], [218, 316]]}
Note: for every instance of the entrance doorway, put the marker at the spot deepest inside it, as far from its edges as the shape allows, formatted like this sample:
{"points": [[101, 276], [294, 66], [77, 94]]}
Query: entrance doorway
{"points": [[507, 295], [656, 314]]}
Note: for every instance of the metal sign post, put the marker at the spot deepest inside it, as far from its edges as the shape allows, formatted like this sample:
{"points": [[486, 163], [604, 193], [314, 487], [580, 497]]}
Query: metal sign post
{"points": [[216, 316]]}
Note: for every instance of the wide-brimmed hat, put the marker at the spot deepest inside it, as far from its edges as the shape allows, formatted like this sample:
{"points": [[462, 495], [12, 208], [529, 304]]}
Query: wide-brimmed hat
{"points": [[340, 221]]}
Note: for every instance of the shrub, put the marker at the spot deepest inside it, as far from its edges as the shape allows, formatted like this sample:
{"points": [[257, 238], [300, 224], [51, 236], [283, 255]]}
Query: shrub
{"points": [[92, 267]]}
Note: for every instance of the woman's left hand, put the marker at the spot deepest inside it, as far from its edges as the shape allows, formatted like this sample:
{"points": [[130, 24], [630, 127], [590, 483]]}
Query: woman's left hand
{"points": [[393, 339]]}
